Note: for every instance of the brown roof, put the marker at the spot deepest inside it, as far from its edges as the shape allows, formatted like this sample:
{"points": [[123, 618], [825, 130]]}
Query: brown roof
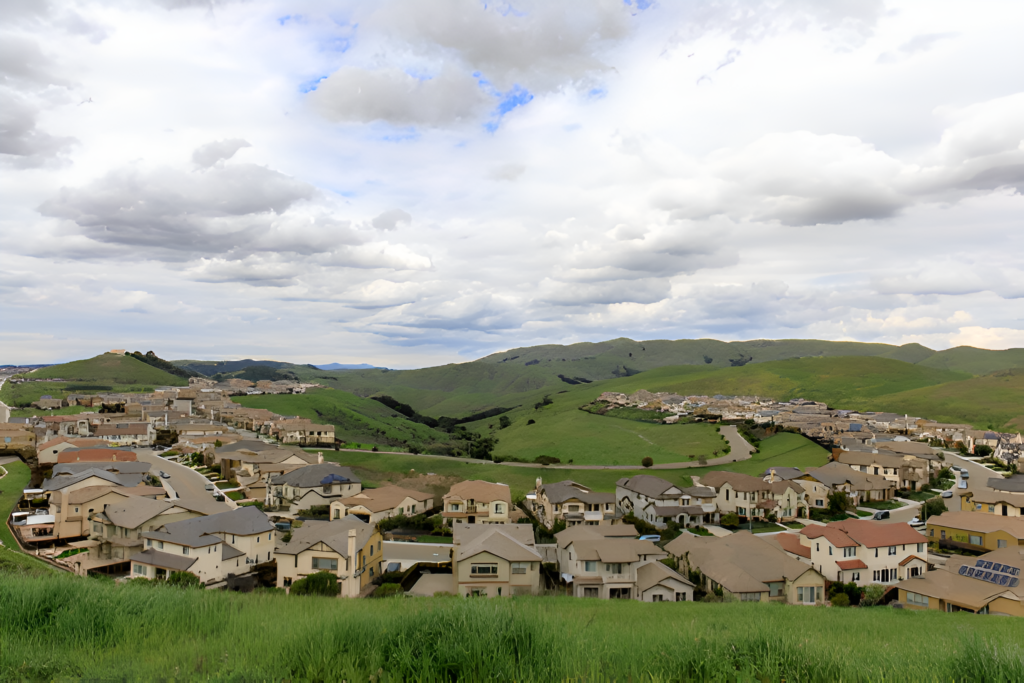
{"points": [[84, 495], [870, 534], [481, 491], [564, 538], [616, 549], [981, 522], [96, 455], [830, 534], [853, 564], [651, 574], [791, 544], [384, 498], [910, 558]]}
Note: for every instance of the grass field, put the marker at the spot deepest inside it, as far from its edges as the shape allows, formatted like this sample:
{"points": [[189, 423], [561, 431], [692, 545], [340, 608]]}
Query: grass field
{"points": [[11, 558], [782, 450], [63, 627], [35, 412]]}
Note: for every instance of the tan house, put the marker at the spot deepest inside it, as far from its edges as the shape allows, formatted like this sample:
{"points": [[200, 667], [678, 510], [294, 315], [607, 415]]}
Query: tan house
{"points": [[840, 477], [604, 561], [658, 501], [16, 437], [477, 502], [860, 551], [248, 457], [71, 510], [48, 451], [348, 547], [752, 497], [129, 434], [373, 505], [989, 584], [571, 503], [907, 471], [302, 432], [311, 485], [489, 560], [656, 582], [1004, 498], [746, 568], [214, 547], [975, 531]]}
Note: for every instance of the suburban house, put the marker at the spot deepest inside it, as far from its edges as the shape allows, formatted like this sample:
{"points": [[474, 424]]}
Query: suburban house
{"points": [[602, 561], [743, 567], [71, 510], [214, 547], [311, 485], [860, 551], [975, 532], [126, 434], [658, 502], [1006, 497], [495, 560], [753, 497], [477, 502], [47, 452], [840, 477], [248, 457], [571, 503], [657, 582], [907, 471], [348, 548], [373, 505], [989, 584], [302, 432]]}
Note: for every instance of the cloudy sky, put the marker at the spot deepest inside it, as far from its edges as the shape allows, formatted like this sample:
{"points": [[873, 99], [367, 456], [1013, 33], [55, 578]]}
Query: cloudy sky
{"points": [[413, 182]]}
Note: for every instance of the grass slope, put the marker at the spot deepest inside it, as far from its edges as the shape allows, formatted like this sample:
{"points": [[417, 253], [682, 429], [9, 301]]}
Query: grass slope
{"points": [[64, 627], [11, 558], [782, 450], [993, 401], [975, 361]]}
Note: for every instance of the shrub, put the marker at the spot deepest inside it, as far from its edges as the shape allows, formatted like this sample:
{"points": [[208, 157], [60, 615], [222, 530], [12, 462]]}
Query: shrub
{"points": [[388, 590], [841, 600], [184, 580], [504, 422], [933, 507], [647, 461], [321, 583], [873, 594], [730, 520], [531, 422]]}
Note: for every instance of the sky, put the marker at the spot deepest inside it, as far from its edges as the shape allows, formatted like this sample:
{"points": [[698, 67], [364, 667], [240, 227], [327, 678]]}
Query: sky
{"points": [[410, 183]]}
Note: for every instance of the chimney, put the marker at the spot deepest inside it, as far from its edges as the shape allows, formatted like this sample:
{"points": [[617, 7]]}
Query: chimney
{"points": [[771, 479], [539, 483]]}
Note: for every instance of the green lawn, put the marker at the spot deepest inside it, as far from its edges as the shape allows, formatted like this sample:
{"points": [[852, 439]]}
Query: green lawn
{"points": [[11, 486], [919, 496], [782, 450], [793, 525], [433, 539], [883, 504], [64, 627]]}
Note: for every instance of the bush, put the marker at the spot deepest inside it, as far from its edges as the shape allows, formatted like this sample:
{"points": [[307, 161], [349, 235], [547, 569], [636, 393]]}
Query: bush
{"points": [[389, 590], [504, 422], [647, 461], [531, 422], [546, 460], [321, 583], [841, 600], [933, 507], [184, 580], [873, 594], [731, 520]]}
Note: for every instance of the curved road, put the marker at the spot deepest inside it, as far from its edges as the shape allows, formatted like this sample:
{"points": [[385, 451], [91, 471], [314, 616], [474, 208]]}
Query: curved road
{"points": [[185, 481]]}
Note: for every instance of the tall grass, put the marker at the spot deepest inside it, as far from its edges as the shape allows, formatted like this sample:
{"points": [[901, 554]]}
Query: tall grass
{"points": [[58, 627]]}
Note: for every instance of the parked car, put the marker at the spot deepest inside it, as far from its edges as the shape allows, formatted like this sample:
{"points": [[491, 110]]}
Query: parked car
{"points": [[651, 537], [210, 487], [915, 520], [962, 485], [881, 514], [164, 475], [947, 494], [964, 474]]}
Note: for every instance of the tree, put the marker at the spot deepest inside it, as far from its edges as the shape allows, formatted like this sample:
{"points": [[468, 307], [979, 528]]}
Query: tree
{"points": [[730, 519], [647, 461], [414, 449], [873, 594], [839, 502], [217, 443], [504, 422], [184, 580], [983, 451], [933, 507], [321, 583]]}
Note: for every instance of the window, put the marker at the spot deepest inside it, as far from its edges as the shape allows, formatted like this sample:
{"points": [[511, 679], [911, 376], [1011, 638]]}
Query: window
{"points": [[657, 598], [97, 528], [830, 550], [498, 508], [140, 569], [920, 547], [850, 552], [325, 563], [892, 550], [727, 494], [977, 506], [775, 589], [917, 599], [750, 597], [327, 489], [337, 513], [991, 508], [615, 568], [590, 592], [590, 566], [520, 567], [159, 545], [855, 576], [680, 597], [484, 569], [943, 535], [184, 550], [819, 502], [454, 507], [371, 551], [412, 510], [1000, 544], [914, 571], [149, 542], [974, 540], [371, 574]]}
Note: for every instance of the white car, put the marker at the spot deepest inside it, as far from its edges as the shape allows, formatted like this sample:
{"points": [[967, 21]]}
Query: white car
{"points": [[915, 521]]}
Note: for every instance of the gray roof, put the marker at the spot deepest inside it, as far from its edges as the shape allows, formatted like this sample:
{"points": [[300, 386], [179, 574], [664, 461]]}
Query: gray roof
{"points": [[312, 476], [648, 485], [63, 481], [783, 473], [699, 492], [512, 542], [177, 563], [465, 534], [562, 491], [135, 511], [114, 467], [333, 534], [200, 532], [1014, 484]]}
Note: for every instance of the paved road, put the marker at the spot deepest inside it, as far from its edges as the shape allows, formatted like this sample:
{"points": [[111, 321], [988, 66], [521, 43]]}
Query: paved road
{"points": [[185, 481]]}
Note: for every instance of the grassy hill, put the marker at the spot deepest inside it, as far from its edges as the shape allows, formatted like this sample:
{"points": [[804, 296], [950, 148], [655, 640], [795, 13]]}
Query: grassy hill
{"points": [[991, 402], [105, 373], [208, 368], [65, 627]]}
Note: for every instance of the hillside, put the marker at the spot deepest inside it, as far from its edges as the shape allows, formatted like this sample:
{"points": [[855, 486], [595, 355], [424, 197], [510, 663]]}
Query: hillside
{"points": [[208, 368], [995, 401], [104, 373]]}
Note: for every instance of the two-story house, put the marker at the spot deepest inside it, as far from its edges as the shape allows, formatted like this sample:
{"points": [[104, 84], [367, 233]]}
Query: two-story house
{"points": [[347, 547], [214, 547], [744, 567], [373, 505], [657, 501], [975, 532], [835, 477], [1003, 497], [571, 503], [907, 471], [495, 560], [602, 561], [311, 485], [477, 502], [752, 497], [860, 551]]}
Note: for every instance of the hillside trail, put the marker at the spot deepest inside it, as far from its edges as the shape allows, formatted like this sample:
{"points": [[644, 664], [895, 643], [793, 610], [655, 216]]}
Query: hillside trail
{"points": [[738, 447]]}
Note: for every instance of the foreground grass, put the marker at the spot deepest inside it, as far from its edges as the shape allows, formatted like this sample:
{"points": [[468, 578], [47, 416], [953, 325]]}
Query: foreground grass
{"points": [[58, 627]]}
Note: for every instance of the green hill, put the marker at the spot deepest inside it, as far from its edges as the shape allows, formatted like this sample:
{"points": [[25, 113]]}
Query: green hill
{"points": [[208, 368], [975, 361]]}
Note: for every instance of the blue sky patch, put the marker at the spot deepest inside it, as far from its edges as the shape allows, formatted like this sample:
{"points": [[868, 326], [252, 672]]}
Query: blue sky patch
{"points": [[311, 85]]}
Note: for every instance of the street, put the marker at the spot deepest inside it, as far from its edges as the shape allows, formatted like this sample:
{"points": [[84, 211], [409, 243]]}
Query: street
{"points": [[186, 482]]}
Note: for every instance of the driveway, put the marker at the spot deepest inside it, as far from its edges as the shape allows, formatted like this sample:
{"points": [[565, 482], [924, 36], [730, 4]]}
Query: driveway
{"points": [[185, 481]]}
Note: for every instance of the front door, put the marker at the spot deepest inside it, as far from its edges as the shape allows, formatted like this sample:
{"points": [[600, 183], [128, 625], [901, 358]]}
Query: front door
{"points": [[471, 519]]}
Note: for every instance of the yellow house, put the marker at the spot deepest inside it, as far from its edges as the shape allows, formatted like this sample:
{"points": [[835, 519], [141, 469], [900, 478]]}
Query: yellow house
{"points": [[1003, 497], [348, 547], [495, 561], [975, 531]]}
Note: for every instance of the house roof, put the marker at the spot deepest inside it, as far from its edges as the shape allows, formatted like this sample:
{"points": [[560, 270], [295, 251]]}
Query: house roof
{"points": [[333, 534], [947, 584], [615, 549], [791, 544], [650, 486], [699, 492], [63, 481], [911, 558], [562, 491], [95, 455], [384, 498], [1013, 484], [743, 482], [135, 511], [465, 534], [312, 476], [200, 532], [497, 540], [564, 538], [651, 574], [852, 564], [125, 430], [479, 490], [177, 563], [918, 448], [981, 522], [783, 473], [87, 493], [870, 534], [863, 458], [835, 473]]}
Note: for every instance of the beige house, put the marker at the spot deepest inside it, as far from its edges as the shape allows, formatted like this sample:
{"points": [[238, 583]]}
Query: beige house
{"points": [[214, 548], [658, 501], [1003, 497], [477, 502], [836, 476], [571, 503], [860, 551], [603, 561], [311, 485], [752, 497], [347, 547], [907, 471], [249, 456], [302, 432], [989, 584], [128, 434], [47, 452], [495, 561], [71, 510], [656, 582], [746, 568], [373, 505]]}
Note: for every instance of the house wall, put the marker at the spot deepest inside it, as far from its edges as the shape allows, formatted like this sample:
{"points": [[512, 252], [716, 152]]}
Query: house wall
{"points": [[486, 512], [990, 508], [508, 583], [806, 580], [825, 563], [960, 537], [933, 603], [667, 589]]}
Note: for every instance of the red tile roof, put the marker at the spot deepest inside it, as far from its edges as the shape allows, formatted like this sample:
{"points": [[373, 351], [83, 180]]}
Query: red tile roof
{"points": [[909, 559], [851, 564], [876, 534], [791, 544], [831, 534], [96, 455]]}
